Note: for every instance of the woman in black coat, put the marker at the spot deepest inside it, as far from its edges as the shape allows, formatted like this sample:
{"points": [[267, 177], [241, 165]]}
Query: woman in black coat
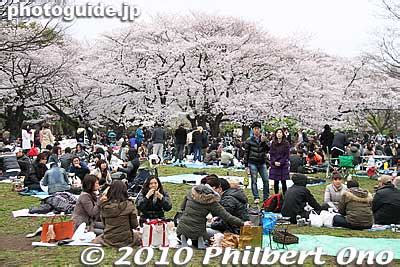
{"points": [[152, 201]]}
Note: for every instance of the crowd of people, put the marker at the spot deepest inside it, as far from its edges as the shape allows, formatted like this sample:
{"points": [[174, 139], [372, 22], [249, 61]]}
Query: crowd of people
{"points": [[107, 209]]}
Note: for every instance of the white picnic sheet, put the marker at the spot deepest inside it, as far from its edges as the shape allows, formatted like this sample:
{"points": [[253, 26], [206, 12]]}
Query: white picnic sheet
{"points": [[74, 243], [25, 213], [196, 178]]}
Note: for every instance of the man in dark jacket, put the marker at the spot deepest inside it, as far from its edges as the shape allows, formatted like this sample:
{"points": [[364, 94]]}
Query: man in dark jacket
{"points": [[36, 173], [66, 159], [234, 200], [255, 158], [132, 166], [180, 142], [79, 168], [297, 161], [338, 145], [9, 163], [326, 139], [297, 197], [159, 137], [24, 162], [386, 202], [197, 139]]}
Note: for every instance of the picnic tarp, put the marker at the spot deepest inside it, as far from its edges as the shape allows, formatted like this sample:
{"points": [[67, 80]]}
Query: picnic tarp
{"points": [[195, 178], [331, 245]]}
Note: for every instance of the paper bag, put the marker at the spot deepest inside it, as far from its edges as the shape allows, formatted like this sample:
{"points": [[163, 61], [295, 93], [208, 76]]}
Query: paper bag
{"points": [[64, 229], [250, 236]]}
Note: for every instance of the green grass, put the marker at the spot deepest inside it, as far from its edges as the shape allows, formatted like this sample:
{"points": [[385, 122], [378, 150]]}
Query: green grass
{"points": [[61, 256]]}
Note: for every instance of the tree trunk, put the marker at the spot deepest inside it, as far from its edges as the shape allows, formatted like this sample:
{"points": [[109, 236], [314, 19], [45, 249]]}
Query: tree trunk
{"points": [[201, 121], [193, 122], [246, 132], [214, 124], [14, 119], [74, 123]]}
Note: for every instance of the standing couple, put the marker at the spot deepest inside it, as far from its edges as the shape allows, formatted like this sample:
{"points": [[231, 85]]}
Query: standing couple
{"points": [[255, 159]]}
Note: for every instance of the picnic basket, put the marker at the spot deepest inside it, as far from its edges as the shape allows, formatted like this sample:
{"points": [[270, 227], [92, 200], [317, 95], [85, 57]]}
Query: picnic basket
{"points": [[284, 237]]}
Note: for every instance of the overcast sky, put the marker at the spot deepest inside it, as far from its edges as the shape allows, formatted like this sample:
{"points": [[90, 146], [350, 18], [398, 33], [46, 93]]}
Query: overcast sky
{"points": [[338, 27]]}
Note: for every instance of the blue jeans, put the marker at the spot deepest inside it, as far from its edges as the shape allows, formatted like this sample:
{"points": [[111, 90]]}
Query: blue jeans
{"points": [[197, 152], [262, 170]]}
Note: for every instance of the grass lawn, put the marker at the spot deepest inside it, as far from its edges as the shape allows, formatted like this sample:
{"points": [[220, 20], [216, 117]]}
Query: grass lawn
{"points": [[15, 249]]}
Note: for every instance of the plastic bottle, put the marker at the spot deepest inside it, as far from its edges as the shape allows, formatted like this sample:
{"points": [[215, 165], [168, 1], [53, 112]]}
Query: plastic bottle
{"points": [[386, 165], [298, 217]]}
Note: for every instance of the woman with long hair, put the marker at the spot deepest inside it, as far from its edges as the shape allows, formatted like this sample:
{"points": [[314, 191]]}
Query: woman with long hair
{"points": [[279, 161], [119, 216], [87, 209], [152, 201], [102, 172]]}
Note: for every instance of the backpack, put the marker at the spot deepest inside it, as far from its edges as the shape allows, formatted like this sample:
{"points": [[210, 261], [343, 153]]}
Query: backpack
{"points": [[273, 203]]}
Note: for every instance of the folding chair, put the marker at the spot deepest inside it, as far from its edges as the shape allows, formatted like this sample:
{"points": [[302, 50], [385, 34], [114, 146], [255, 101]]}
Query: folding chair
{"points": [[346, 165]]}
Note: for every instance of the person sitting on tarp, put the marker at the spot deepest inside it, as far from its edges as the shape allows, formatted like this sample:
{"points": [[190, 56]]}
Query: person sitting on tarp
{"points": [[119, 215], [81, 153], [234, 201], [87, 209], [211, 157], [354, 208], [66, 158], [197, 204], [313, 159], [297, 197], [333, 192], [9, 163], [386, 202], [36, 173], [131, 167], [152, 200], [78, 167], [355, 152], [56, 179], [227, 158], [24, 162], [296, 159]]}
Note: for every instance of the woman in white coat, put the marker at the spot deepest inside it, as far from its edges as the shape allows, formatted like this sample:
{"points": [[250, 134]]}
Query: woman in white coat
{"points": [[27, 138]]}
